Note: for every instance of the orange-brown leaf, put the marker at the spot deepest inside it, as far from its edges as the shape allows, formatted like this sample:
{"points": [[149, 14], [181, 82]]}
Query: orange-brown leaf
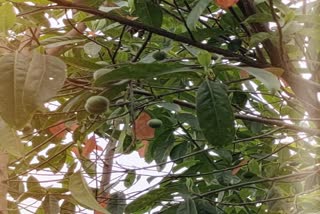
{"points": [[241, 164], [89, 146], [59, 130], [225, 4], [142, 151], [243, 74], [102, 204], [142, 130], [75, 150]]}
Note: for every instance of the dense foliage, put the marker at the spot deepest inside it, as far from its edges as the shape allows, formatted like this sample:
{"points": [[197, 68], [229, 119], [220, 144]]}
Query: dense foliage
{"points": [[213, 89]]}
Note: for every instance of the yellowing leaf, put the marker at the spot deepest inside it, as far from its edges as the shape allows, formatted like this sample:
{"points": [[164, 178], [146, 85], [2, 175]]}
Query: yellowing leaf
{"points": [[80, 191]]}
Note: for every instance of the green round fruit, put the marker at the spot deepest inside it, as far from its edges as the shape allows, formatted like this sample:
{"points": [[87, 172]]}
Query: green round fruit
{"points": [[160, 55], [96, 104], [155, 123]]}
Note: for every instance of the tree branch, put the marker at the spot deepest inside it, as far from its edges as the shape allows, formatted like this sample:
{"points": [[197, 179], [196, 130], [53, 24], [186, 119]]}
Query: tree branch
{"points": [[158, 31]]}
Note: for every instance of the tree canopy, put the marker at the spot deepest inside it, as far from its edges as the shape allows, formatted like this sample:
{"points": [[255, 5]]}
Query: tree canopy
{"points": [[221, 97]]}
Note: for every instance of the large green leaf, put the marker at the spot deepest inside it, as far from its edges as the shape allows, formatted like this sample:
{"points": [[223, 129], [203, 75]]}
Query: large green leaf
{"points": [[214, 113], [142, 71], [26, 84], [196, 12], [80, 191], [9, 141], [149, 12]]}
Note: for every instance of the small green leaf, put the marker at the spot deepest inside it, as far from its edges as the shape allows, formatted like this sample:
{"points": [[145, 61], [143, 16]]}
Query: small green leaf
{"points": [[33, 184], [196, 12], [215, 114], [254, 166], [130, 178], [204, 58], [81, 192], [149, 12]]}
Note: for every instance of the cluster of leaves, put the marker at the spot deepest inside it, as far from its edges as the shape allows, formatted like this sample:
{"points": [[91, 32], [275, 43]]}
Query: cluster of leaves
{"points": [[237, 141]]}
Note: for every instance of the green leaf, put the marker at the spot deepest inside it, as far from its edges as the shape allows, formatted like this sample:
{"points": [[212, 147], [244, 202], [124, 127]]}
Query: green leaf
{"points": [[161, 146], [92, 49], [7, 17], [57, 41], [81, 192], [149, 12], [257, 38], [142, 71], [51, 205], [259, 18], [267, 78], [16, 187], [170, 106], [153, 198], [67, 207], [205, 207], [196, 12], [178, 151], [33, 184], [215, 114], [9, 141], [130, 178], [187, 207], [254, 166], [117, 203], [204, 58], [26, 84]]}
